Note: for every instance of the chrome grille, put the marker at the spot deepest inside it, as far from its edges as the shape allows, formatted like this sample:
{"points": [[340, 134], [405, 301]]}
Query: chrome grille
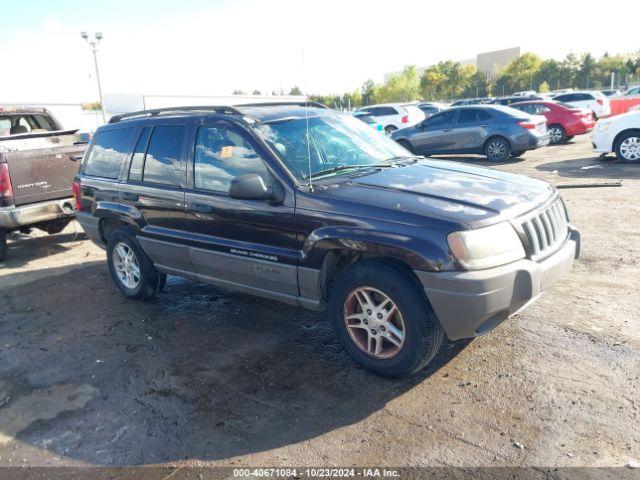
{"points": [[547, 230]]}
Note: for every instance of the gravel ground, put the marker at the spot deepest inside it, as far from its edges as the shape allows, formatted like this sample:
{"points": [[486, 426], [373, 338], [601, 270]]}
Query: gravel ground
{"points": [[204, 376]]}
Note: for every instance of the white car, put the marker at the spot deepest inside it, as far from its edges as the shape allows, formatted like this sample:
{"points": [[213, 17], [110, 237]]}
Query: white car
{"points": [[596, 102], [524, 93], [394, 116], [632, 91], [619, 134]]}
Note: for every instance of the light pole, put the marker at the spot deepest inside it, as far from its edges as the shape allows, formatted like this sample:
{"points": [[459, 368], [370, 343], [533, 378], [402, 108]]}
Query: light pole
{"points": [[94, 49]]}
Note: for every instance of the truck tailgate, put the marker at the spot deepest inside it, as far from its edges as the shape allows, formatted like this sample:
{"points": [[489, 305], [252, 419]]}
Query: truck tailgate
{"points": [[40, 167]]}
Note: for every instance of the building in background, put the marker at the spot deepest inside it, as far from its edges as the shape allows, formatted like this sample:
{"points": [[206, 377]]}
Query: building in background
{"points": [[489, 63]]}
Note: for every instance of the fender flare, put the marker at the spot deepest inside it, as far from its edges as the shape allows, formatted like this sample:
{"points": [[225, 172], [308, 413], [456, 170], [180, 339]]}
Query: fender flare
{"points": [[119, 213], [416, 254]]}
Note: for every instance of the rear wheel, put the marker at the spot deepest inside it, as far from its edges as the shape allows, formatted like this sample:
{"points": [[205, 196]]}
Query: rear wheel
{"points": [[497, 149], [595, 117], [628, 147], [383, 319], [131, 268], [3, 245], [389, 129], [557, 134], [406, 145]]}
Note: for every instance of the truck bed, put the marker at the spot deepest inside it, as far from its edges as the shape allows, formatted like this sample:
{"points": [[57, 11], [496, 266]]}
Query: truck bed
{"points": [[41, 165]]}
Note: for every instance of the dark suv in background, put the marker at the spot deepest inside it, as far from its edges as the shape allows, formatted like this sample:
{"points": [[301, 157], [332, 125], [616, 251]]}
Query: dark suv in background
{"points": [[311, 207], [491, 130]]}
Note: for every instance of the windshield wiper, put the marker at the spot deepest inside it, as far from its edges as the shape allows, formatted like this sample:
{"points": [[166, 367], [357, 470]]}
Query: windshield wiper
{"points": [[408, 159], [340, 168]]}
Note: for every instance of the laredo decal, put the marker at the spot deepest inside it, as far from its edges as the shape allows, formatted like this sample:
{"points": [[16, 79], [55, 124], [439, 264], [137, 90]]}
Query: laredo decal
{"points": [[247, 253], [34, 185]]}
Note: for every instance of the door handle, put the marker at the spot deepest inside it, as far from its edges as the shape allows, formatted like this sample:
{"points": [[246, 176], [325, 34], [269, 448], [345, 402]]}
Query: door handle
{"points": [[447, 130], [486, 125], [130, 196], [201, 208]]}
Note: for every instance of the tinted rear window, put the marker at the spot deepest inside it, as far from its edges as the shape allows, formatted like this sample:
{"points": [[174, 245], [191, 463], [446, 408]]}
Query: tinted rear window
{"points": [[162, 162], [107, 153]]}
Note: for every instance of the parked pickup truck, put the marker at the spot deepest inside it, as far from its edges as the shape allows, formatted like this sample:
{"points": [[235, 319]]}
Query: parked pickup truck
{"points": [[311, 207], [38, 160]]}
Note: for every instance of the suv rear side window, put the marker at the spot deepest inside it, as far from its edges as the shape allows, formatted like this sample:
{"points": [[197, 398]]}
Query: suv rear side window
{"points": [[162, 163], [107, 153], [221, 155]]}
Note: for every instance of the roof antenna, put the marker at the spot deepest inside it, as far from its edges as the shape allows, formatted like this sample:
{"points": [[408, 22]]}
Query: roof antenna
{"points": [[306, 118]]}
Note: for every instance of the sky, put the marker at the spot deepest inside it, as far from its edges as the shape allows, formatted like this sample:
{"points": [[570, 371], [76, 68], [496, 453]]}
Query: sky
{"points": [[198, 47]]}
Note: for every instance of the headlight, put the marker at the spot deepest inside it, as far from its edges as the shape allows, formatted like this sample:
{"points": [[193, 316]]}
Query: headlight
{"points": [[486, 247], [603, 126]]}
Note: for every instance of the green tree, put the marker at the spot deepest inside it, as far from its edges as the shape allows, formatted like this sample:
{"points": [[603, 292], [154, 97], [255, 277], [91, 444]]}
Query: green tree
{"points": [[368, 92], [586, 75], [256, 92], [295, 91], [543, 87], [520, 73], [402, 87], [239, 92]]}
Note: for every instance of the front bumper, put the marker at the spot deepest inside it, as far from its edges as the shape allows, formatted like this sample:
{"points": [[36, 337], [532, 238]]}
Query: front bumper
{"points": [[25, 215], [602, 141], [471, 303]]}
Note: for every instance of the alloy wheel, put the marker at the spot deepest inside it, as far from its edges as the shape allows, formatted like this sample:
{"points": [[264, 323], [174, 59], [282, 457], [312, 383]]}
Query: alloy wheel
{"points": [[556, 135], [126, 266], [374, 322], [496, 150], [630, 149]]}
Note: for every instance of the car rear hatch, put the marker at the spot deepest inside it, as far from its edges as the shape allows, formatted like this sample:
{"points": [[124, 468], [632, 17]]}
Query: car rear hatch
{"points": [[42, 166]]}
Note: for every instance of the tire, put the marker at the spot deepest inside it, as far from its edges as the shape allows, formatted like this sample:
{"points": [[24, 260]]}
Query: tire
{"points": [[627, 147], [3, 245], [517, 154], [389, 129], [595, 116], [497, 149], [406, 145], [557, 134], [145, 280], [422, 332]]}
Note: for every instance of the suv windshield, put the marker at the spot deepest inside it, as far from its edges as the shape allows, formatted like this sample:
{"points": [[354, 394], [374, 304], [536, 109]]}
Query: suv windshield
{"points": [[336, 143]]}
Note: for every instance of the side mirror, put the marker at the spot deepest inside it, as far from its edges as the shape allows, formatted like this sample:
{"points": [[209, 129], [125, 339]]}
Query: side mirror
{"points": [[251, 186]]}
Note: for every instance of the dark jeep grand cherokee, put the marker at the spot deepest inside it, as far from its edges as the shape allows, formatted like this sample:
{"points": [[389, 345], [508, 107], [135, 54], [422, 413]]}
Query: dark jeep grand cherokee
{"points": [[313, 208]]}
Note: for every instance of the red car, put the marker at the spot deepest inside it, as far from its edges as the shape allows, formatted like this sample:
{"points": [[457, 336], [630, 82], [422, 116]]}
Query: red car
{"points": [[563, 121]]}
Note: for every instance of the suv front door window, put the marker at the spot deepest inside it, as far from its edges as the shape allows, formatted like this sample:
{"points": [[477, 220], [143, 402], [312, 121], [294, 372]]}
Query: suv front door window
{"points": [[238, 240]]}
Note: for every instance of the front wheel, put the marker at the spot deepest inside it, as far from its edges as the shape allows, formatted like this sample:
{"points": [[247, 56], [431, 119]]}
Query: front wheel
{"points": [[3, 245], [628, 147], [131, 269], [383, 319], [497, 149]]}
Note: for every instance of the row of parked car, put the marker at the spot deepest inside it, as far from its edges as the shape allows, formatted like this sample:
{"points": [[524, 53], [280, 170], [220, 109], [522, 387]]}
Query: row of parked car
{"points": [[498, 128]]}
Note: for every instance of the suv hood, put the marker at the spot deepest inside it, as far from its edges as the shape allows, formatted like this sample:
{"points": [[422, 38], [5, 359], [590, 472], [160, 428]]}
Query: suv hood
{"points": [[473, 196]]}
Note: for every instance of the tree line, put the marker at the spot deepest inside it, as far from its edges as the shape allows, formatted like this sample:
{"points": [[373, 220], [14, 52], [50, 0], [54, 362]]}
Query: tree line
{"points": [[450, 80]]}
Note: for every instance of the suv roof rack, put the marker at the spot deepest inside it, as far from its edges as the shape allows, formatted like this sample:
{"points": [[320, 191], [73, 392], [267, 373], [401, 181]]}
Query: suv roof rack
{"points": [[280, 104], [221, 109], [157, 111]]}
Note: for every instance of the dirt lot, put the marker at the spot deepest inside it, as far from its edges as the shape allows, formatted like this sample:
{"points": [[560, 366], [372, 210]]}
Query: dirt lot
{"points": [[207, 376]]}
